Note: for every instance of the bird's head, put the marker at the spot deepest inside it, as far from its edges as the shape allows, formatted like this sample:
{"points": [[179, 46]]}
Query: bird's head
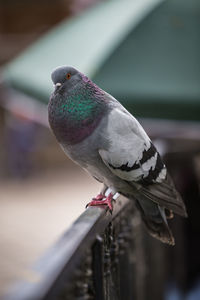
{"points": [[65, 77], [75, 107]]}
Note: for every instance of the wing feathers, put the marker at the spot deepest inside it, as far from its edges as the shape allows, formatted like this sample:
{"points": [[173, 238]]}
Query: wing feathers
{"points": [[165, 195], [147, 169], [132, 157], [147, 155]]}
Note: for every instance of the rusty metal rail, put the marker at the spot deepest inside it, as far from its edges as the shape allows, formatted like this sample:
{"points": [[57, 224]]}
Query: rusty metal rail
{"points": [[94, 259]]}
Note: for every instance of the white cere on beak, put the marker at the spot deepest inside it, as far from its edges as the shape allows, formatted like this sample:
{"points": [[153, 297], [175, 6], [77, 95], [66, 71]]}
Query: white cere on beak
{"points": [[57, 84]]}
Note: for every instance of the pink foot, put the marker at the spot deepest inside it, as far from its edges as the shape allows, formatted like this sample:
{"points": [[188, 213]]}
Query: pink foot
{"points": [[99, 197], [107, 201]]}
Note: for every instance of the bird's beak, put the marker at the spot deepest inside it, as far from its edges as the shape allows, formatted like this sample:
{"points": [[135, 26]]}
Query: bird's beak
{"points": [[57, 84]]}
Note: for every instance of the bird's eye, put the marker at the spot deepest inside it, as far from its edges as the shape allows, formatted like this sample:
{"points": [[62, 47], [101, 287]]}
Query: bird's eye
{"points": [[68, 76]]}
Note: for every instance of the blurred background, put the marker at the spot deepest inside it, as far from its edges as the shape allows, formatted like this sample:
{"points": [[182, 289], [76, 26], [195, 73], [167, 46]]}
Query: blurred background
{"points": [[146, 54]]}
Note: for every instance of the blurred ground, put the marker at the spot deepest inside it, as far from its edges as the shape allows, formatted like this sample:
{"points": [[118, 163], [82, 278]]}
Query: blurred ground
{"points": [[34, 213]]}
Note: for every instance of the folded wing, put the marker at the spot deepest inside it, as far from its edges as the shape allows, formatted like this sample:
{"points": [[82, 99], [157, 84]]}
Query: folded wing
{"points": [[132, 157]]}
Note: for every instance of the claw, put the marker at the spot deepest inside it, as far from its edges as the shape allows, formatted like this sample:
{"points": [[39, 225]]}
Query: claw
{"points": [[107, 201], [98, 197], [96, 200]]}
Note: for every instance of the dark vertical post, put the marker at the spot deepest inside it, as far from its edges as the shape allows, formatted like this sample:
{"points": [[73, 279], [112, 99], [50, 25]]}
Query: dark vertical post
{"points": [[97, 267]]}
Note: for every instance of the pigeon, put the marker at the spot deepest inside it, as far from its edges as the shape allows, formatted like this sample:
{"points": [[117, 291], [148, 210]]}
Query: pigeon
{"points": [[101, 136]]}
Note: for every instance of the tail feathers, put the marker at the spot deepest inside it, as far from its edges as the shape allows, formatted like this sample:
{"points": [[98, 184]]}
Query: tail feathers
{"points": [[155, 220], [160, 231], [166, 195]]}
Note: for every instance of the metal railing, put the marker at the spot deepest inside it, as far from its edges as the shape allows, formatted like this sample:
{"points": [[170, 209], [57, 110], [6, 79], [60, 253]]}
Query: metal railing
{"points": [[94, 259]]}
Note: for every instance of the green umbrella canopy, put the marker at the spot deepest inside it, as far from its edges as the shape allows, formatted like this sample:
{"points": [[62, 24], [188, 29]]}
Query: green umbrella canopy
{"points": [[84, 42], [143, 53], [155, 72]]}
